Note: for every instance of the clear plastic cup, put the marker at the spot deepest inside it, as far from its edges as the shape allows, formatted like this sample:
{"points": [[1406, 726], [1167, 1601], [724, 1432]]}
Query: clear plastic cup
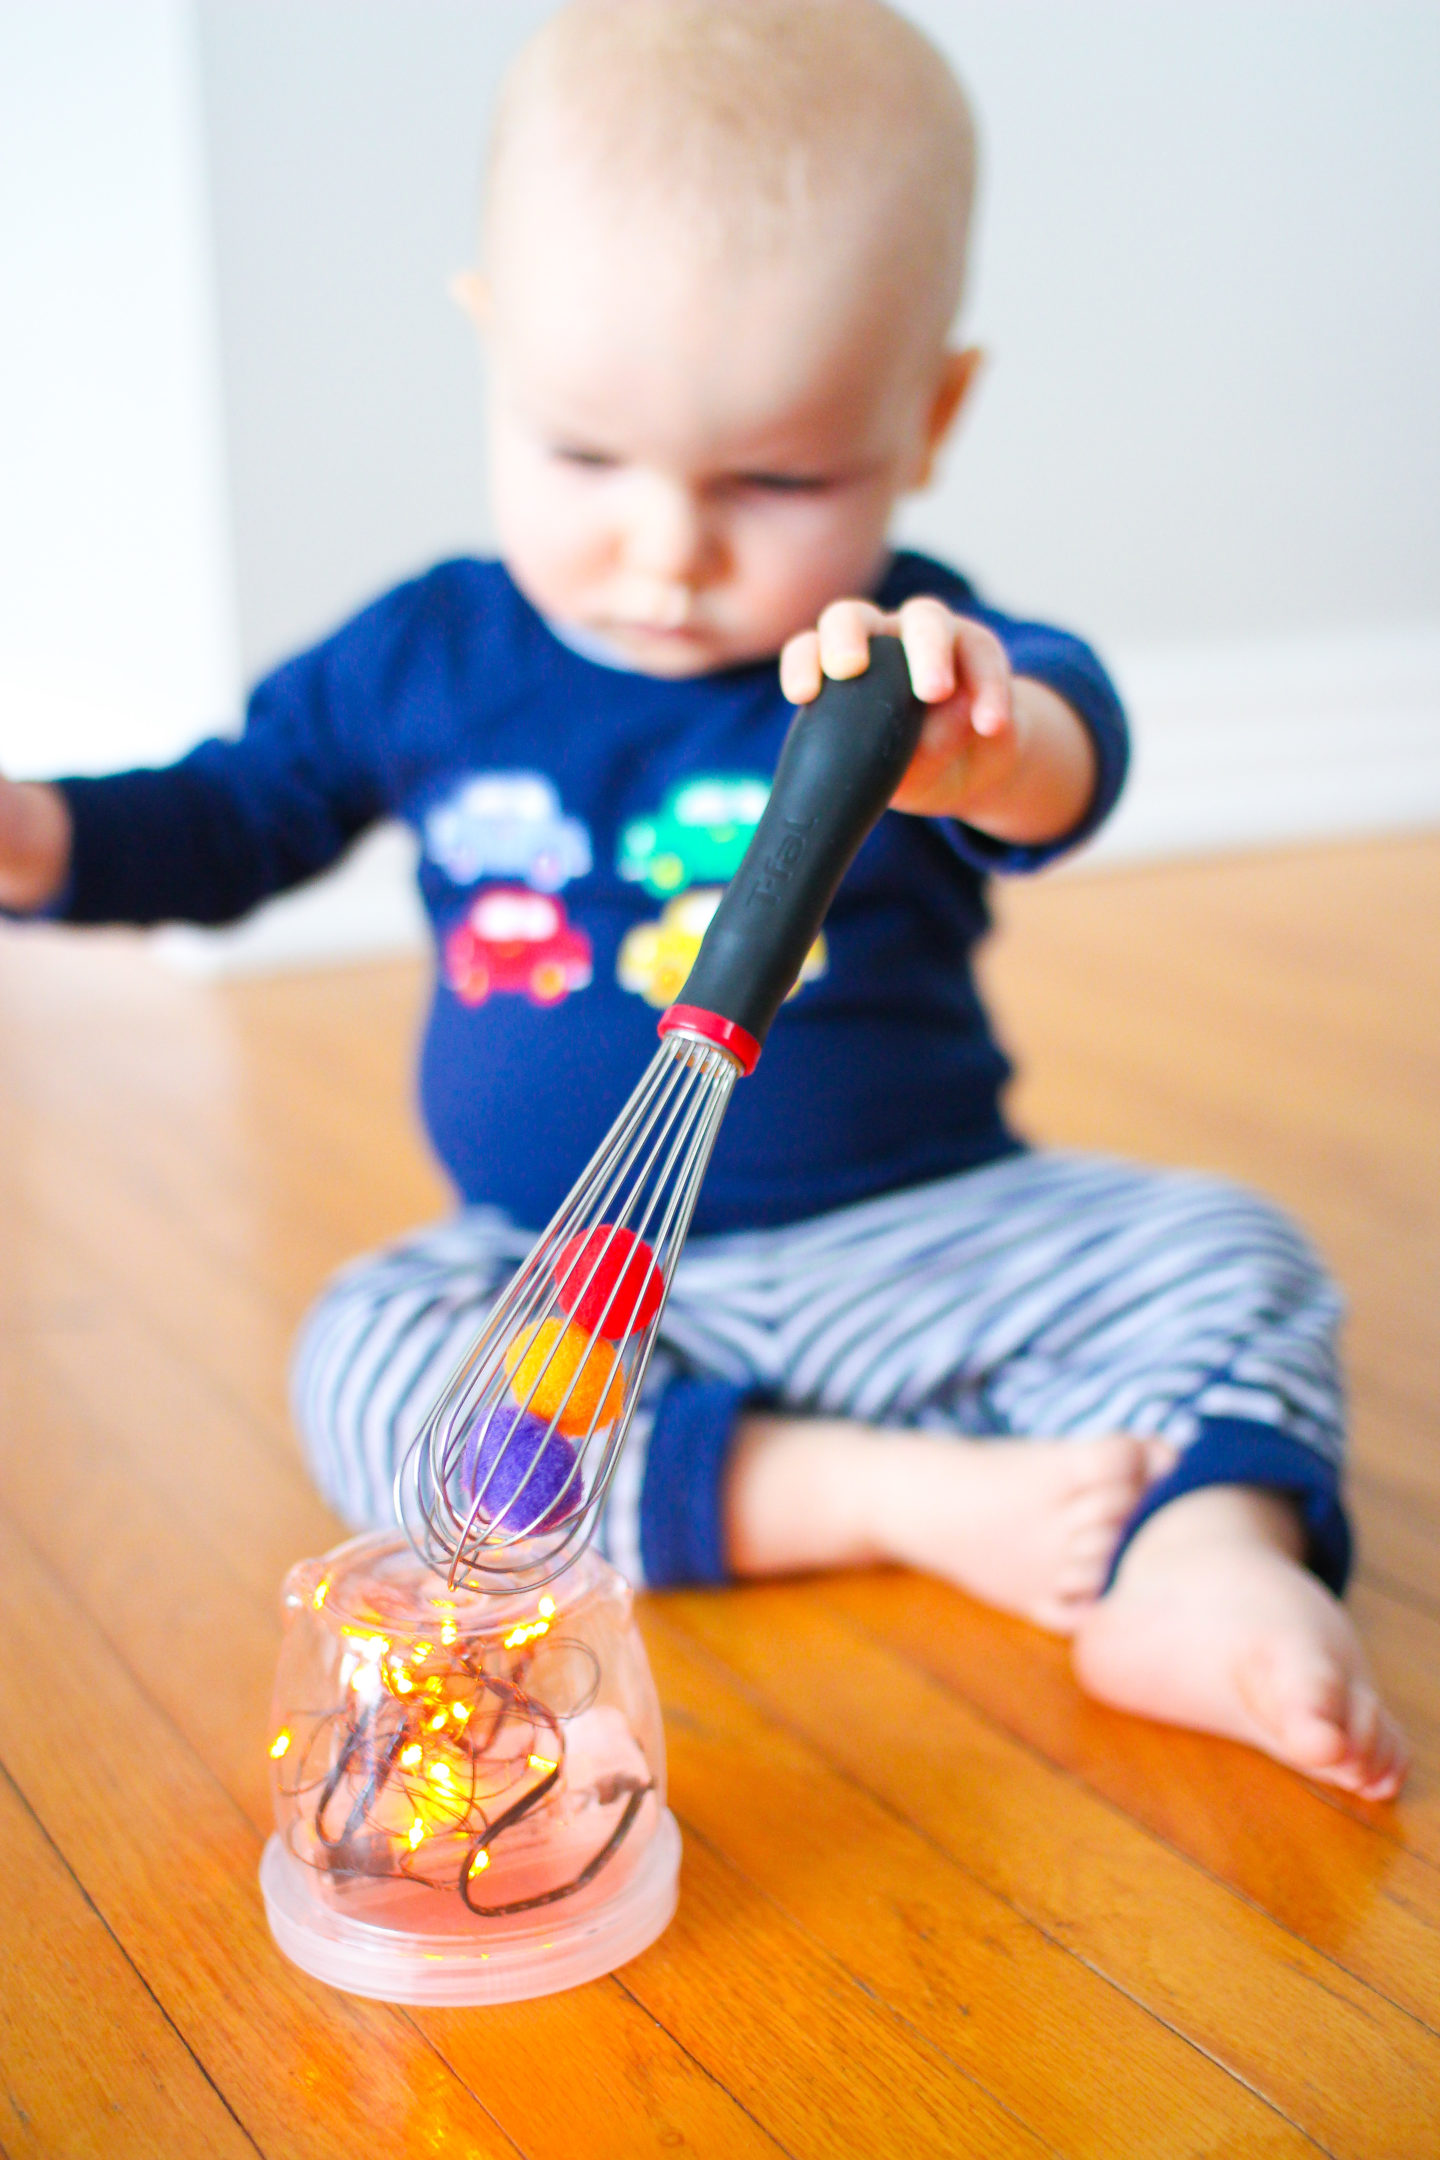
{"points": [[469, 1786]]}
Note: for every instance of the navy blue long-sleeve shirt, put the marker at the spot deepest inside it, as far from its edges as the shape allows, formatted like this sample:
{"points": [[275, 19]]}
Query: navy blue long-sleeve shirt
{"points": [[574, 819]]}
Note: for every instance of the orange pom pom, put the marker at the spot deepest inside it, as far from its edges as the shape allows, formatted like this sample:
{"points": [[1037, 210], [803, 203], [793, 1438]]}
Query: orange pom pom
{"points": [[542, 1362]]}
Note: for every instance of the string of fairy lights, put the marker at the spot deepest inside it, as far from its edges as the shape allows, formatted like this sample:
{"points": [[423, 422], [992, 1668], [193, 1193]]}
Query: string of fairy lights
{"points": [[437, 1748]]}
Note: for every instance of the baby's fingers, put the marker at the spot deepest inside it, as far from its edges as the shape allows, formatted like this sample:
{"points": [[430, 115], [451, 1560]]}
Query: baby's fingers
{"points": [[986, 671], [845, 631], [927, 631], [801, 674]]}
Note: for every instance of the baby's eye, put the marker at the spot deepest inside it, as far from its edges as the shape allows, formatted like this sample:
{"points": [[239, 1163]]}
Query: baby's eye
{"points": [[768, 483], [590, 460]]}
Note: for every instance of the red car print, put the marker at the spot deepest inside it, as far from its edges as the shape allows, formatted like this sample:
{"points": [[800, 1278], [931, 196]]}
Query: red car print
{"points": [[519, 941]]}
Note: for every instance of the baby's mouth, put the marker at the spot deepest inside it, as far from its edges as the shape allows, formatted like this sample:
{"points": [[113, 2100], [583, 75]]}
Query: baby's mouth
{"points": [[655, 610], [671, 632]]}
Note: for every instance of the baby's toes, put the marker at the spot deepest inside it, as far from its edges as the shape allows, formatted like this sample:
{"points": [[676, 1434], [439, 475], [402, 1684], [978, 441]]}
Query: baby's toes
{"points": [[1107, 1476], [1388, 1761], [1302, 1704], [1089, 1549], [1376, 1758], [1332, 1725], [1078, 1580], [1061, 1610]]}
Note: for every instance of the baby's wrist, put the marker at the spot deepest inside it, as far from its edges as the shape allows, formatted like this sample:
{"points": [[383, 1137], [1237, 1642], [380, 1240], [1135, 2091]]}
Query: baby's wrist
{"points": [[1042, 790]]}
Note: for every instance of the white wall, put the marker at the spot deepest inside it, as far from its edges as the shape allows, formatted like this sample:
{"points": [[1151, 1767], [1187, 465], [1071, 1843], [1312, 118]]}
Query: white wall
{"points": [[117, 631], [345, 146], [1208, 268]]}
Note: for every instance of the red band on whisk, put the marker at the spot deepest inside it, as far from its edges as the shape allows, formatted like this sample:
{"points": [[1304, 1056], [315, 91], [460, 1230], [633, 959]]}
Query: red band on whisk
{"points": [[694, 1020]]}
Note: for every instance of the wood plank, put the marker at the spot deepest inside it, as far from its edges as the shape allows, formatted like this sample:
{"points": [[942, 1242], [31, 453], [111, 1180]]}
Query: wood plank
{"points": [[592, 2075], [1026, 2018], [169, 1863], [90, 2067], [1251, 1994], [1397, 1539], [277, 1213], [824, 2066], [190, 1675], [627, 2087], [179, 1169], [203, 1639], [136, 1448], [1404, 1648], [1332, 1877]]}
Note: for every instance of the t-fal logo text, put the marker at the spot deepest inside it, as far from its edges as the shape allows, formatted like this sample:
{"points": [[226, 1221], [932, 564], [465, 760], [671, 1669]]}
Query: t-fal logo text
{"points": [[779, 868]]}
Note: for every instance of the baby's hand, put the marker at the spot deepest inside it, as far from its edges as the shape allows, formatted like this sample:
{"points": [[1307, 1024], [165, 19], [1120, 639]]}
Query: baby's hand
{"points": [[34, 843], [969, 746]]}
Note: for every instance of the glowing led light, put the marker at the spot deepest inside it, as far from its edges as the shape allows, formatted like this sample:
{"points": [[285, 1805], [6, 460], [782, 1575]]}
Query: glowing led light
{"points": [[322, 1591], [371, 1646], [479, 1864], [437, 1723], [278, 1745], [541, 1762], [433, 1687], [409, 1756], [404, 1685], [546, 1608], [439, 1774], [416, 1832], [421, 1651], [526, 1632], [459, 1711], [449, 1633]]}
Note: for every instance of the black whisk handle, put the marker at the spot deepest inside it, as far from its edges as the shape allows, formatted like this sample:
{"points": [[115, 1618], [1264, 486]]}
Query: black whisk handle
{"points": [[841, 762]]}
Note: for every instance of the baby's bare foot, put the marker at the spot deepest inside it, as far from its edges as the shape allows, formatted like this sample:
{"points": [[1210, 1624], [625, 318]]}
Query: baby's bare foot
{"points": [[1028, 1525], [1214, 1623]]}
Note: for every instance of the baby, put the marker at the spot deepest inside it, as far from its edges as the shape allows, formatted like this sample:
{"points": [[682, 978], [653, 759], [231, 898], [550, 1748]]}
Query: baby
{"points": [[724, 247]]}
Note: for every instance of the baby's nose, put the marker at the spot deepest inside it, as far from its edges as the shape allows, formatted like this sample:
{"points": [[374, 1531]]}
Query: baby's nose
{"points": [[669, 534]]}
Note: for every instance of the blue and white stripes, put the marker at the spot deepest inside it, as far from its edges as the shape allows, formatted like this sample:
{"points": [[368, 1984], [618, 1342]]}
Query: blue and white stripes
{"points": [[1048, 1295]]}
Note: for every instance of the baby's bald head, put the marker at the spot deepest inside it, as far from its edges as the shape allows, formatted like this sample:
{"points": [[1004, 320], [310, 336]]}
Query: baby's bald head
{"points": [[746, 129], [724, 244]]}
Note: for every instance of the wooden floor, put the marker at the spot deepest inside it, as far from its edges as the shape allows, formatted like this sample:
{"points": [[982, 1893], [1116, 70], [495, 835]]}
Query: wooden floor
{"points": [[934, 1902]]}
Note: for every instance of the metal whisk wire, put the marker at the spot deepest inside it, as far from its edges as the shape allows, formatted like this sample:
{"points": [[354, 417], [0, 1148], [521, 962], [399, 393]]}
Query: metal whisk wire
{"points": [[502, 1485]]}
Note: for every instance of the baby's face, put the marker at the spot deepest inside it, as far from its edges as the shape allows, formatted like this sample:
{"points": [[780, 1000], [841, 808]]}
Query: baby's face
{"points": [[690, 464]]}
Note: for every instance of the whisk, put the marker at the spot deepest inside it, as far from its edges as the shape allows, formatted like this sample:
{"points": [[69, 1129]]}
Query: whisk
{"points": [[502, 1485]]}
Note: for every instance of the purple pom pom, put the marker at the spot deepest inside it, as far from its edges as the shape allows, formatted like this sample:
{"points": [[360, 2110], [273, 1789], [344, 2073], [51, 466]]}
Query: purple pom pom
{"points": [[510, 1451]]}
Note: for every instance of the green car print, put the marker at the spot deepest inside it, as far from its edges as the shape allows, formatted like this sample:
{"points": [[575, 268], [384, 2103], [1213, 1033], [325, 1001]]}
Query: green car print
{"points": [[696, 837]]}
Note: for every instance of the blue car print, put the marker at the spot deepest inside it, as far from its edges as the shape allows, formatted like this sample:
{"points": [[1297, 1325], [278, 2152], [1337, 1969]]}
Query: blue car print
{"points": [[507, 825]]}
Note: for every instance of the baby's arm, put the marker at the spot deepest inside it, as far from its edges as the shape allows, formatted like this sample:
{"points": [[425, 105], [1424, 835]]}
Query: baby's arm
{"points": [[1003, 752], [34, 844]]}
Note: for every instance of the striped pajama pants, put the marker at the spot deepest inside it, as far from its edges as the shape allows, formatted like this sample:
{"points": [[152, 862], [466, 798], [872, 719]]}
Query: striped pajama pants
{"points": [[1047, 1294]]}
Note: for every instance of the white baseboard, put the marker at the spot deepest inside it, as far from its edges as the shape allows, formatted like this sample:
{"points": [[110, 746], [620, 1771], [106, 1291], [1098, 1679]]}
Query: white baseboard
{"points": [[1237, 746], [1240, 746]]}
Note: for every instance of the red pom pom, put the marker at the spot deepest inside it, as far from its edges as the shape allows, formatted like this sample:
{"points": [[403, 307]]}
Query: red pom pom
{"points": [[593, 1264]]}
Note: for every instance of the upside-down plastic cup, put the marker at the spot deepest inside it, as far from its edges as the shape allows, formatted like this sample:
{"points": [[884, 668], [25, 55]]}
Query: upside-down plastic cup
{"points": [[469, 1786]]}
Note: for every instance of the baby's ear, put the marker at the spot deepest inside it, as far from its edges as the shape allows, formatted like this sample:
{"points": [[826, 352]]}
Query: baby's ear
{"points": [[471, 291], [958, 371]]}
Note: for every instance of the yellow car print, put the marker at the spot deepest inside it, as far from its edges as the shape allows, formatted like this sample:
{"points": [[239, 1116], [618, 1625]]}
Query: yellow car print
{"points": [[655, 957]]}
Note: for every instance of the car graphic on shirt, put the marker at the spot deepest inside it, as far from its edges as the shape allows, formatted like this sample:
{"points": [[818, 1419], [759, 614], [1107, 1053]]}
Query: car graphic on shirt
{"points": [[510, 825], [655, 957], [516, 940], [696, 837]]}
